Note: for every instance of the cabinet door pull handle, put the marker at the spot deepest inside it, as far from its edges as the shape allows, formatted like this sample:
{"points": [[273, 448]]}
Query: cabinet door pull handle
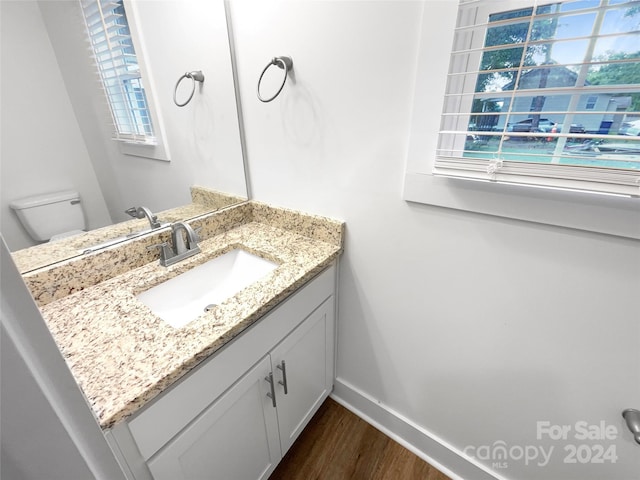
{"points": [[283, 382], [272, 394]]}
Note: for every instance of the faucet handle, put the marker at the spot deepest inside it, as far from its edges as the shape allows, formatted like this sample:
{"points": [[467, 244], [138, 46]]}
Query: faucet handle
{"points": [[165, 252], [162, 246], [155, 223], [157, 245]]}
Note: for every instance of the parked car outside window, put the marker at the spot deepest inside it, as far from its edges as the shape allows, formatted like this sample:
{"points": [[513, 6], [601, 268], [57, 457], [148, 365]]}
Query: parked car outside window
{"points": [[630, 128], [544, 125]]}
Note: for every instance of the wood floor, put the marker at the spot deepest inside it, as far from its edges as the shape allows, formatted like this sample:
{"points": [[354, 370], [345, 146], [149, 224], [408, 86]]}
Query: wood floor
{"points": [[338, 445]]}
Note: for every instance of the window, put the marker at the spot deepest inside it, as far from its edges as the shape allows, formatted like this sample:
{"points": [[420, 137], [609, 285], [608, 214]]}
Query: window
{"points": [[544, 94], [119, 71]]}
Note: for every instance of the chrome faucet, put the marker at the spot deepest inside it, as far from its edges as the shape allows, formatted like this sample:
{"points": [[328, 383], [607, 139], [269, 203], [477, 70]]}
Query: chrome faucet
{"points": [[178, 239], [184, 244], [142, 212]]}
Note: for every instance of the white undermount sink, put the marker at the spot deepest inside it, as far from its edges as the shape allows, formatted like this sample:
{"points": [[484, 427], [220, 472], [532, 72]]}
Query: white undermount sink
{"points": [[182, 299]]}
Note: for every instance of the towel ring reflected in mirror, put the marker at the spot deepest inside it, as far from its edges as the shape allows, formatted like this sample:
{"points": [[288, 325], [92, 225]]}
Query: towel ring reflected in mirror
{"points": [[195, 76]]}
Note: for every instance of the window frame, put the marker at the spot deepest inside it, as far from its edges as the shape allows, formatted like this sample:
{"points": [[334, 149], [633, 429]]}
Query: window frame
{"points": [[526, 164], [592, 101], [619, 216], [155, 146]]}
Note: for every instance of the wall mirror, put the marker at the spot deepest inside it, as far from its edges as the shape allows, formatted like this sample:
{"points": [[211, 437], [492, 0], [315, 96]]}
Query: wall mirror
{"points": [[57, 132]]}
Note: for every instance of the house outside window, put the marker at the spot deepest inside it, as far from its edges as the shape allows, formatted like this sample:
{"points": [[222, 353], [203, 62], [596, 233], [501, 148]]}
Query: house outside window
{"points": [[545, 94]]}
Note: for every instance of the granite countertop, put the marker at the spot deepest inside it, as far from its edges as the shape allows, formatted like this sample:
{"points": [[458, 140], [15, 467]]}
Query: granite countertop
{"points": [[122, 355]]}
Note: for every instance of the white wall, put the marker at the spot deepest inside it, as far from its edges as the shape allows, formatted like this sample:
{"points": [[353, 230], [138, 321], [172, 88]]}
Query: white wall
{"points": [[203, 137], [469, 327], [42, 149], [35, 444], [48, 429]]}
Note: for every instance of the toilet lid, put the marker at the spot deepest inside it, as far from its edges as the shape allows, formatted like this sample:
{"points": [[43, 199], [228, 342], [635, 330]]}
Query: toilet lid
{"points": [[70, 233]]}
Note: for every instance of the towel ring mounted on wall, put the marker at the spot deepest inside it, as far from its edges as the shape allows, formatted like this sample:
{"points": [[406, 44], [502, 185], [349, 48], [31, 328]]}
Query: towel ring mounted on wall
{"points": [[284, 63], [195, 76]]}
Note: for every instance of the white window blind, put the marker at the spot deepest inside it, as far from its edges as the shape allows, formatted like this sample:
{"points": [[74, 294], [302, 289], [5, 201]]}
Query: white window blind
{"points": [[118, 68], [545, 94]]}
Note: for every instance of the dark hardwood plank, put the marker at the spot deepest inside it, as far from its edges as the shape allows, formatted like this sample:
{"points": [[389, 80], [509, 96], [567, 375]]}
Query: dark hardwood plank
{"points": [[338, 445]]}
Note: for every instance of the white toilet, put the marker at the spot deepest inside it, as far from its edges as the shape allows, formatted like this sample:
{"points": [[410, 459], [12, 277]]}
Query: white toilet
{"points": [[51, 216]]}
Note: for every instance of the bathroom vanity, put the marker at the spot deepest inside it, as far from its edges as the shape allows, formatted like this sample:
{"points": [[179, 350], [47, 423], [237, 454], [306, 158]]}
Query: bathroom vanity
{"points": [[225, 395], [239, 412]]}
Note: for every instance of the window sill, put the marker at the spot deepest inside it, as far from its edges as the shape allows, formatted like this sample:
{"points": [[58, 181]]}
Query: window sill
{"points": [[582, 211], [156, 152]]}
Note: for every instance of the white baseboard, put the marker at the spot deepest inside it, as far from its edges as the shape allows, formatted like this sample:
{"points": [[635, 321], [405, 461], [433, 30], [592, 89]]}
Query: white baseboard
{"points": [[449, 460]]}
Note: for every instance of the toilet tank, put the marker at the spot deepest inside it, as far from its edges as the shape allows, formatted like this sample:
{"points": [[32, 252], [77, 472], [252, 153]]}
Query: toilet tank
{"points": [[44, 216]]}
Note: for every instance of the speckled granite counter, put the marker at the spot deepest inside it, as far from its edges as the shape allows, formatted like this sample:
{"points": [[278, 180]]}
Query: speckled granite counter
{"points": [[122, 355]]}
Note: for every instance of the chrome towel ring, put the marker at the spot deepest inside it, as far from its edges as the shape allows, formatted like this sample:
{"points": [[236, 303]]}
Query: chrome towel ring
{"points": [[284, 63], [196, 76]]}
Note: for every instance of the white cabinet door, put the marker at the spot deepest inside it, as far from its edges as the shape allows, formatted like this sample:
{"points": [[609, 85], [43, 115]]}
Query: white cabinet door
{"points": [[235, 438], [305, 358]]}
